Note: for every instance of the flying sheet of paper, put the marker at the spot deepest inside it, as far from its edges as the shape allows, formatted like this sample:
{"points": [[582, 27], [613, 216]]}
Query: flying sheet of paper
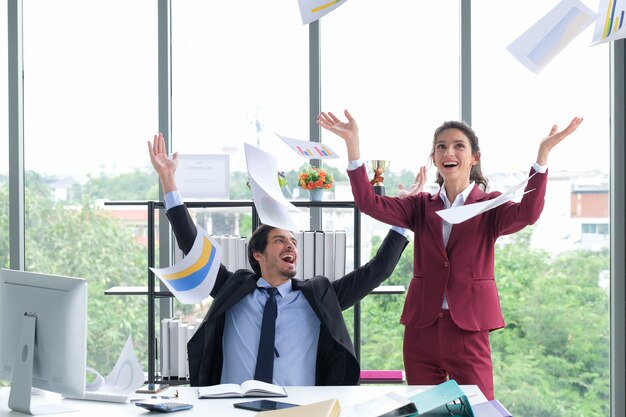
{"points": [[456, 215], [311, 10], [125, 378], [310, 150], [536, 47], [192, 278], [610, 23], [270, 203]]}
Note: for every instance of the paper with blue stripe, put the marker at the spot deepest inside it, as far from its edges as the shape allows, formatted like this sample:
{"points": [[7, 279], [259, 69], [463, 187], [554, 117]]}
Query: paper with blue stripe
{"points": [[192, 278]]}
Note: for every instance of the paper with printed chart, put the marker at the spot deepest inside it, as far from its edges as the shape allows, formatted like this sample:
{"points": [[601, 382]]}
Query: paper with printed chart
{"points": [[456, 215], [269, 201], [192, 278], [312, 10], [610, 23], [309, 150], [536, 47]]}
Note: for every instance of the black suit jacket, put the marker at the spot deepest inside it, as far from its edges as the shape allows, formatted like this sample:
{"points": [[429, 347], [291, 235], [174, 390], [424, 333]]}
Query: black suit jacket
{"points": [[336, 362]]}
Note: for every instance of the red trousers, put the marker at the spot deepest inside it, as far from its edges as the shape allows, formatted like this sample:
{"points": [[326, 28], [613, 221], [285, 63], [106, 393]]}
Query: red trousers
{"points": [[443, 351]]}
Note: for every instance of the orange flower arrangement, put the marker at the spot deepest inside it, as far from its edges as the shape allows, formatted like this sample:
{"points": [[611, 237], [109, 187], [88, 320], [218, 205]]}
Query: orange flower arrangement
{"points": [[312, 178]]}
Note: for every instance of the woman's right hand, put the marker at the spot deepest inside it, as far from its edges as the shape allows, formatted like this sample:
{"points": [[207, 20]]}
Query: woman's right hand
{"points": [[417, 186]]}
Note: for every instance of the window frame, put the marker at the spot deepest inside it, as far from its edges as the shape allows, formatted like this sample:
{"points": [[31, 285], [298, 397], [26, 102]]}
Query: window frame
{"points": [[617, 173]]}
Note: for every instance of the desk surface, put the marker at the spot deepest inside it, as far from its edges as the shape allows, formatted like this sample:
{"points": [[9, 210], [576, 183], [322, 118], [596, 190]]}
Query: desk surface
{"points": [[347, 395]]}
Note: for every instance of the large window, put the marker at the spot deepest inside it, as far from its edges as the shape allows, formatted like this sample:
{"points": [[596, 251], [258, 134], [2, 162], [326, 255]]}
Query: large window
{"points": [[89, 109], [554, 353], [240, 73]]}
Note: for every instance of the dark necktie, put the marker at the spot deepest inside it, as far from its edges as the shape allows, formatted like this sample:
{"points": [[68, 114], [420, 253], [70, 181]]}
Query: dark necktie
{"points": [[265, 358]]}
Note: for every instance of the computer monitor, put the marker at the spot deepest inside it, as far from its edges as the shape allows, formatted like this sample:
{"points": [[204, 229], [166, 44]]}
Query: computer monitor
{"points": [[43, 337]]}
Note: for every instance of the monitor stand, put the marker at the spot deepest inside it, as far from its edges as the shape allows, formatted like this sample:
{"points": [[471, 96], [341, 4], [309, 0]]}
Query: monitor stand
{"points": [[22, 383]]}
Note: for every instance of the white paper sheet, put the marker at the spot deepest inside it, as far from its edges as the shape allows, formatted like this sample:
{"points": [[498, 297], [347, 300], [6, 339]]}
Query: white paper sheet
{"points": [[192, 278], [125, 378], [309, 150], [312, 10], [270, 203], [536, 47], [610, 23], [456, 215]]}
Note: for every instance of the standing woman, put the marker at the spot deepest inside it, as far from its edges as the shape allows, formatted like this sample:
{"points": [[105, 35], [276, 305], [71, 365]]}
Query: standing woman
{"points": [[452, 302]]}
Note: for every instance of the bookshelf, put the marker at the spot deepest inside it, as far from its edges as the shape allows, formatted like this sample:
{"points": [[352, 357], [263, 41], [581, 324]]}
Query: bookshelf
{"points": [[152, 292]]}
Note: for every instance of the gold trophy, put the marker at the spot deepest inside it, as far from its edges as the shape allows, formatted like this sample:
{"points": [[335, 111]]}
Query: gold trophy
{"points": [[379, 166]]}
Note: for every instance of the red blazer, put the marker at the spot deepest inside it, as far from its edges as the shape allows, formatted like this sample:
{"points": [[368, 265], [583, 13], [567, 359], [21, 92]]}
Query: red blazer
{"points": [[465, 269]]}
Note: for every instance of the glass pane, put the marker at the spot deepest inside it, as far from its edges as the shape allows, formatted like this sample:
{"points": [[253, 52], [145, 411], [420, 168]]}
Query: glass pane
{"points": [[90, 107], [554, 353], [380, 63], [237, 81], [4, 145], [239, 74]]}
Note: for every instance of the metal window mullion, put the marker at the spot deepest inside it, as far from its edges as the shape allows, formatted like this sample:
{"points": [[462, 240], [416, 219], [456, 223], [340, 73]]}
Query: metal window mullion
{"points": [[165, 127], [315, 105], [618, 228], [17, 241], [465, 64]]}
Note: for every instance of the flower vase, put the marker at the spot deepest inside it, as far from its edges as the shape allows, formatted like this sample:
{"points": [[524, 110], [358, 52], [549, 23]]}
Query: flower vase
{"points": [[316, 194]]}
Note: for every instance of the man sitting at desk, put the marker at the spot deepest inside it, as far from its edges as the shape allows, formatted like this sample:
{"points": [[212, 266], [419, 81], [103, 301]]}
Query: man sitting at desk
{"points": [[312, 345]]}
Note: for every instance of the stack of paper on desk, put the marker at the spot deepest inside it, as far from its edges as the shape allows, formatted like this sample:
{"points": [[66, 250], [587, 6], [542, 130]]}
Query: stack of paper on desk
{"points": [[328, 408]]}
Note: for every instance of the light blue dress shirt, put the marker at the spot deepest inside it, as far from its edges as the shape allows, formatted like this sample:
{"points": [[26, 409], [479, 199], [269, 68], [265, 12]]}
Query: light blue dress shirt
{"points": [[297, 333], [297, 336]]}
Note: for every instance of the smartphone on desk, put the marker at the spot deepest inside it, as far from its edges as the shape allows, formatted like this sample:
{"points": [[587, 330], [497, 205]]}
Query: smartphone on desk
{"points": [[263, 405]]}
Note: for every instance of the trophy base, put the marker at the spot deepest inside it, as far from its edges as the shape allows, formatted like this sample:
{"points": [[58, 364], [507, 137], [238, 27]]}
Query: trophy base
{"points": [[379, 189]]}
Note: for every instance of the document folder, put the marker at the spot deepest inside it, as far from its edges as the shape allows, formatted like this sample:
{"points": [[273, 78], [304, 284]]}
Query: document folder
{"points": [[444, 399]]}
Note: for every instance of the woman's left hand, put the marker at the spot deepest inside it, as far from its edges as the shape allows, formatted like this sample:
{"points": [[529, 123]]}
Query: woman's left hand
{"points": [[554, 138]]}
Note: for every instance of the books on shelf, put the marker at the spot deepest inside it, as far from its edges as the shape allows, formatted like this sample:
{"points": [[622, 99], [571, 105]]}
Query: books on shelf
{"points": [[299, 235], [329, 255], [307, 252], [340, 254], [320, 253], [327, 408], [234, 251], [173, 347], [250, 388], [175, 333], [165, 348]]}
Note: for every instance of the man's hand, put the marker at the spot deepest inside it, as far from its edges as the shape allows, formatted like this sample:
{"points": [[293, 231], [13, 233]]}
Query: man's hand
{"points": [[164, 166]]}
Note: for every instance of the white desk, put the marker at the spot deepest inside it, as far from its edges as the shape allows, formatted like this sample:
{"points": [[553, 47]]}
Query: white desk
{"points": [[347, 395]]}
